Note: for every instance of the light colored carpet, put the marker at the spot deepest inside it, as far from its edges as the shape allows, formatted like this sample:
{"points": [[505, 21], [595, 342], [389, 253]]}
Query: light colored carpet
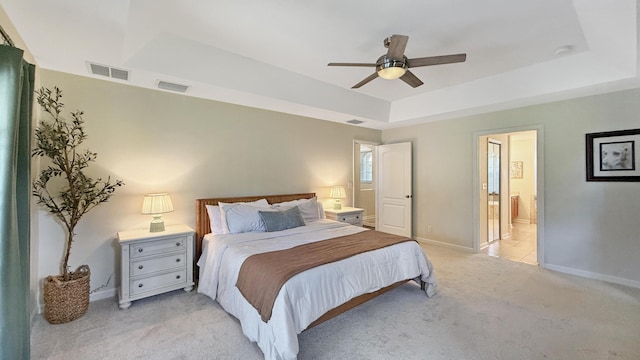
{"points": [[487, 308]]}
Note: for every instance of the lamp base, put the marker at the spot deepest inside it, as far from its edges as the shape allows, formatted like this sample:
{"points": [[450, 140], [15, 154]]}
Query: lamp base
{"points": [[157, 224], [337, 205]]}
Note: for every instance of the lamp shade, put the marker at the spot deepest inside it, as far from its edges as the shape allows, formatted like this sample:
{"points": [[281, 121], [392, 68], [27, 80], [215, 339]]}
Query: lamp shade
{"points": [[338, 192], [157, 204]]}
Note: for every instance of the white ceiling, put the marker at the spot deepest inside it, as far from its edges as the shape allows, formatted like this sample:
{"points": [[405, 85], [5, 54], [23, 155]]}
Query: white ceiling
{"points": [[273, 54]]}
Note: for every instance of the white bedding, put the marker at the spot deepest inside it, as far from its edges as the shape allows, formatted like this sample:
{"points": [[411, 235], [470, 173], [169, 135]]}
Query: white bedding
{"points": [[308, 295]]}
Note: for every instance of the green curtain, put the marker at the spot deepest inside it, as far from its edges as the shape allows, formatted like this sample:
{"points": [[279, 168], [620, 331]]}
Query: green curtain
{"points": [[16, 100]]}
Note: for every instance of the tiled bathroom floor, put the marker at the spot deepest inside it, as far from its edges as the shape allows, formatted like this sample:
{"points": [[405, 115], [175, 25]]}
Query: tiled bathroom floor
{"points": [[521, 246]]}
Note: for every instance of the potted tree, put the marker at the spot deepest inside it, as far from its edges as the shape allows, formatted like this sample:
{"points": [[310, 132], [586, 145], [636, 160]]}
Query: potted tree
{"points": [[67, 193]]}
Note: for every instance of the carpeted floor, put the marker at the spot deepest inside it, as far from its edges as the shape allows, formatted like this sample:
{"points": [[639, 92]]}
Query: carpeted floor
{"points": [[487, 308]]}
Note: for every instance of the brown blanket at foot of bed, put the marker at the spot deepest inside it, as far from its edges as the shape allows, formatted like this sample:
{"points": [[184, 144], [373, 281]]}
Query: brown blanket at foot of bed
{"points": [[262, 275]]}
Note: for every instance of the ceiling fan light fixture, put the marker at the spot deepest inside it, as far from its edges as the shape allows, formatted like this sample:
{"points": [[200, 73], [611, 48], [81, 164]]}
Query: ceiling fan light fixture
{"points": [[391, 68], [391, 73]]}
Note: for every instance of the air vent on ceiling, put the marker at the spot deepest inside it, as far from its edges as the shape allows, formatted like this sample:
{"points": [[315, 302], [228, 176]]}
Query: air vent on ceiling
{"points": [[103, 70], [172, 86], [355, 122]]}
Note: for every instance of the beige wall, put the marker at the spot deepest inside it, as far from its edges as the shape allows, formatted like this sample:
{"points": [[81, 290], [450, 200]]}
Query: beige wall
{"points": [[590, 228], [523, 149], [192, 148]]}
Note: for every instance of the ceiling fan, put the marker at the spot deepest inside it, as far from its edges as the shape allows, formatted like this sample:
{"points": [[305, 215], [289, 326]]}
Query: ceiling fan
{"points": [[394, 64]]}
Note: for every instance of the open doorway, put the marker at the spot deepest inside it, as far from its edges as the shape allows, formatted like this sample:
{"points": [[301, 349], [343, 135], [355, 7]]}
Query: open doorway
{"points": [[364, 186], [508, 207], [382, 185]]}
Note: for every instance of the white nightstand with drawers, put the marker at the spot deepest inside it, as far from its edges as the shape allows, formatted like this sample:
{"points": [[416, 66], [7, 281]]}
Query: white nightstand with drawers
{"points": [[349, 215], [154, 263]]}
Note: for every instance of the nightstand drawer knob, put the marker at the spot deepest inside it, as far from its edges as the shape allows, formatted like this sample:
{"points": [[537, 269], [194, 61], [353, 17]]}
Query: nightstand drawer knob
{"points": [[178, 260], [140, 285], [177, 276], [140, 249], [140, 267], [177, 244]]}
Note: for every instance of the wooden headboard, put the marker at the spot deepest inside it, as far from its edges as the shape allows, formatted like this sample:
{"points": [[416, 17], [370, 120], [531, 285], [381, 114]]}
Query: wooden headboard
{"points": [[203, 225]]}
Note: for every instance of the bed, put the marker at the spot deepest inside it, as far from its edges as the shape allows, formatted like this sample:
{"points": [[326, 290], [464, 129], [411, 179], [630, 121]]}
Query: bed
{"points": [[307, 298]]}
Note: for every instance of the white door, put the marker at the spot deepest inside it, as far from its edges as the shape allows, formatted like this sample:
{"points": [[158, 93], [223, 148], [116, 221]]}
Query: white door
{"points": [[394, 189]]}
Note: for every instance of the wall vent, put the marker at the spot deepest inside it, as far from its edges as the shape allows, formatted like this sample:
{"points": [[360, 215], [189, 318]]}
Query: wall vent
{"points": [[355, 122], [172, 86], [104, 70], [119, 74]]}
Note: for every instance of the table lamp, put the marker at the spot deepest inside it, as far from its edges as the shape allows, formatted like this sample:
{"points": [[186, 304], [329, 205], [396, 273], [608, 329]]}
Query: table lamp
{"points": [[337, 193], [156, 205]]}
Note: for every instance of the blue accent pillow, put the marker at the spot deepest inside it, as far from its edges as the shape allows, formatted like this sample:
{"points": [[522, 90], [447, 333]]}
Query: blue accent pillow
{"points": [[281, 220]]}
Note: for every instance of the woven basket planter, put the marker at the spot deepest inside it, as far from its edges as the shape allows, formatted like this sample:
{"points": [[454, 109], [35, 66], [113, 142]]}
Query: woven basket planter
{"points": [[66, 301]]}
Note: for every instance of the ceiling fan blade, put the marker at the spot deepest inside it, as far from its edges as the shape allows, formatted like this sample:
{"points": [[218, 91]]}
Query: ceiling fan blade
{"points": [[411, 79], [437, 60], [396, 46], [352, 64], [371, 77]]}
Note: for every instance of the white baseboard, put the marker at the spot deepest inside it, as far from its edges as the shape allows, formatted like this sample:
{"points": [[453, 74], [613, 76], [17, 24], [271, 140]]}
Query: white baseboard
{"points": [[562, 269], [103, 294], [521, 221], [99, 295], [444, 244], [592, 275]]}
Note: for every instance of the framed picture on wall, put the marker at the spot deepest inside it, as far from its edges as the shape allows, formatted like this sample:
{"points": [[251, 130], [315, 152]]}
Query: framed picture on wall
{"points": [[516, 169], [613, 156]]}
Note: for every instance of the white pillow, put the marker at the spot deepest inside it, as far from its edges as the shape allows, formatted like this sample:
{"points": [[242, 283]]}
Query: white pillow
{"points": [[242, 217], [308, 208], [321, 214], [215, 219]]}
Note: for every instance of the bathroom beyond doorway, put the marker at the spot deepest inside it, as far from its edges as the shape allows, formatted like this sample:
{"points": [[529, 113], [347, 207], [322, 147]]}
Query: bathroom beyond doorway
{"points": [[520, 246]]}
